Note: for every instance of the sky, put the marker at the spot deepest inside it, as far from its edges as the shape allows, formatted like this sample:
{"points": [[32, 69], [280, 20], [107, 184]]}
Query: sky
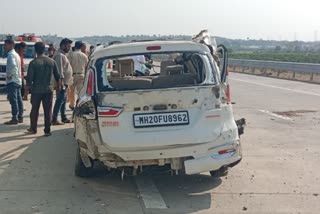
{"points": [[236, 19]]}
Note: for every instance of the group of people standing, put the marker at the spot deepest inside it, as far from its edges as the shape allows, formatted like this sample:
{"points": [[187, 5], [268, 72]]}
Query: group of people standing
{"points": [[58, 71]]}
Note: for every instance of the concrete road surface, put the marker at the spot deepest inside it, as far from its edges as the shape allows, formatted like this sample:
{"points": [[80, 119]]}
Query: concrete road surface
{"points": [[279, 172]]}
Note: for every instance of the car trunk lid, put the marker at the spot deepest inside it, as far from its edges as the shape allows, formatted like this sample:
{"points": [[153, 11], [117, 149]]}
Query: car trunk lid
{"points": [[150, 119]]}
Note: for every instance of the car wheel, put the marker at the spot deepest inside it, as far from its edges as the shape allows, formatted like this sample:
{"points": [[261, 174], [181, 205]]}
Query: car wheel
{"points": [[80, 169], [223, 171]]}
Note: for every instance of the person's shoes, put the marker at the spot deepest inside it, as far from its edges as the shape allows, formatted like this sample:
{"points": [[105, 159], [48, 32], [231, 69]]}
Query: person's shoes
{"points": [[20, 121], [57, 123], [11, 122], [30, 131], [71, 108], [66, 121], [47, 134]]}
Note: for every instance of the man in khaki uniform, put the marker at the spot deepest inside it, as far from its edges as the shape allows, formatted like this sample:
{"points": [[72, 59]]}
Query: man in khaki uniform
{"points": [[78, 61]]}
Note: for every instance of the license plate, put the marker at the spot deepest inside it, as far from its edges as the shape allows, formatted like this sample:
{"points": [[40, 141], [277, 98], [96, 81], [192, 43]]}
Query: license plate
{"points": [[161, 119]]}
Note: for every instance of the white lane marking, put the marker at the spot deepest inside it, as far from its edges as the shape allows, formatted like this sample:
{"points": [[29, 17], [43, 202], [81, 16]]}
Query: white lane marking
{"points": [[278, 87], [149, 193], [275, 115]]}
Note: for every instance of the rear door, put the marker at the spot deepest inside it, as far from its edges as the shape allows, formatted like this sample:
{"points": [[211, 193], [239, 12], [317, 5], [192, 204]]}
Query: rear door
{"points": [[143, 120]]}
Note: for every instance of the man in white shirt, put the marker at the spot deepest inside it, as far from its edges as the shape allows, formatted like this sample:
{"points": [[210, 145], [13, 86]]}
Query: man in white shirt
{"points": [[78, 61], [14, 82]]}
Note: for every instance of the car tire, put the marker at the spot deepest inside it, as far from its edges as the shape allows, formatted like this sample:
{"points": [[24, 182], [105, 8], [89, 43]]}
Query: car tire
{"points": [[223, 171], [80, 169]]}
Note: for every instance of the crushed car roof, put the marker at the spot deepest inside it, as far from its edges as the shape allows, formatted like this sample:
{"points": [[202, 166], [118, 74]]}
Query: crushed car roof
{"points": [[149, 46]]}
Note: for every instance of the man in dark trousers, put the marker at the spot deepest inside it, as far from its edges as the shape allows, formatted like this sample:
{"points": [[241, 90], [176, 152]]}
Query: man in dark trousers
{"points": [[21, 48], [65, 71], [13, 79], [43, 77]]}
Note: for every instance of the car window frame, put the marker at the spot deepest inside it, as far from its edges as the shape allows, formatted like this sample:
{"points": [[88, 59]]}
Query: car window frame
{"points": [[213, 68]]}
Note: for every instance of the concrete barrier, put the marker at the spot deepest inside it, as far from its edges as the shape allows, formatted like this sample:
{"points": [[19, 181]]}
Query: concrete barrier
{"points": [[305, 77], [259, 71], [316, 78], [286, 74], [284, 70], [237, 69]]}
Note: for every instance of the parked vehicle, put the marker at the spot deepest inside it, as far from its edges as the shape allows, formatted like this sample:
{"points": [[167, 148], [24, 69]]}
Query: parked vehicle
{"points": [[30, 40], [178, 114]]}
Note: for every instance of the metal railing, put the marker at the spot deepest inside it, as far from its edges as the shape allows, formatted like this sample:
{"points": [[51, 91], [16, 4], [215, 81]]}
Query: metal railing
{"points": [[281, 66]]}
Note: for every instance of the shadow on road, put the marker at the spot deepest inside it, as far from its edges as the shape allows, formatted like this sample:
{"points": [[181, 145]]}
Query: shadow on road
{"points": [[41, 179], [186, 194], [182, 193]]}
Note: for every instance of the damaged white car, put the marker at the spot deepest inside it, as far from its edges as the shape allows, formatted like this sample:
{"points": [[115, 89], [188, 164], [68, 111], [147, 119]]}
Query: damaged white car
{"points": [[163, 103]]}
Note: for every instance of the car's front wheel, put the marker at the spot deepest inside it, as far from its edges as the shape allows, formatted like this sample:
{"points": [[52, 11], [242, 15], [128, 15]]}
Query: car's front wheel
{"points": [[80, 169]]}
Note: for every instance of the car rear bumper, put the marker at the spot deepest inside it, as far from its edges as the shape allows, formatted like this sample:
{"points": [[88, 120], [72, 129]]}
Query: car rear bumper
{"points": [[207, 164], [212, 162]]}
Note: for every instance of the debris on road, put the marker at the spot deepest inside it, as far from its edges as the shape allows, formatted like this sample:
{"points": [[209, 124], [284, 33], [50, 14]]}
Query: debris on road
{"points": [[296, 113]]}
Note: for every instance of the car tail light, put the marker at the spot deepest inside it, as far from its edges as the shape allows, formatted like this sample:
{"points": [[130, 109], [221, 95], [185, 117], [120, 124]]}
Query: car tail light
{"points": [[222, 152], [109, 111], [90, 85], [226, 153], [153, 48]]}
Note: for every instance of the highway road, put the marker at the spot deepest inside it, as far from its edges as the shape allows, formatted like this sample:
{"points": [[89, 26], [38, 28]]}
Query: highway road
{"points": [[279, 172]]}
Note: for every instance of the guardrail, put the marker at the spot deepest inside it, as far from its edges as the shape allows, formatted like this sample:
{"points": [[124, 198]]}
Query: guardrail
{"points": [[305, 72]]}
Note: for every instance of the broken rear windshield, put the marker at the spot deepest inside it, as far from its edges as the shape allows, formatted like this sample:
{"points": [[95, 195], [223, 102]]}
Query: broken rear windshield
{"points": [[154, 71]]}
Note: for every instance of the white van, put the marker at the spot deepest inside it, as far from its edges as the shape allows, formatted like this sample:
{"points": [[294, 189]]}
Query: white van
{"points": [[177, 114], [28, 57]]}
